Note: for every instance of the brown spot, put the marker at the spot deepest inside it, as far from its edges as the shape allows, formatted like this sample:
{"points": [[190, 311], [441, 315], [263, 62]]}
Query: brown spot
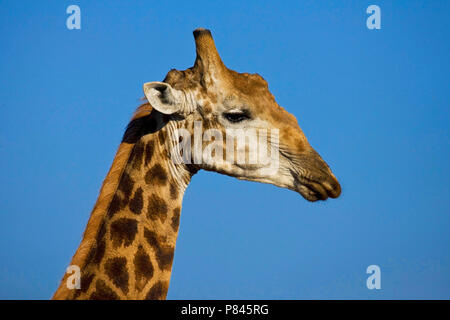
{"points": [[164, 253], [161, 138], [157, 208], [137, 202], [116, 205], [156, 174], [100, 252], [138, 153], [86, 282], [176, 219], [158, 291], [97, 252], [207, 107], [207, 124], [143, 268], [98, 248], [123, 231], [115, 269], [173, 192], [126, 185], [101, 232], [149, 149], [103, 292]]}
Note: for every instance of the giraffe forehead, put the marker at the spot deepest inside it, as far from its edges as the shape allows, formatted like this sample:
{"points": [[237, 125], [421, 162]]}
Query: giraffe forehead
{"points": [[234, 90], [207, 85]]}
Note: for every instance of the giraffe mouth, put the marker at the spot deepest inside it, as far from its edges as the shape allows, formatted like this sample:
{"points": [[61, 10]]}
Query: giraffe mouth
{"points": [[313, 178], [313, 190]]}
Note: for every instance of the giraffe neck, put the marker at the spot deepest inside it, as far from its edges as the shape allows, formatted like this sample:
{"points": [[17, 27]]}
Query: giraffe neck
{"points": [[129, 253]]}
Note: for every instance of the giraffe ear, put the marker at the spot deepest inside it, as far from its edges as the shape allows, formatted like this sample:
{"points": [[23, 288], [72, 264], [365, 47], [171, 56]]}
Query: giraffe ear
{"points": [[163, 97]]}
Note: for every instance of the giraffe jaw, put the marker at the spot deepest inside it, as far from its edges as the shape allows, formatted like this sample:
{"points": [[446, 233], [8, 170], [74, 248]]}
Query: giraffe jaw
{"points": [[309, 189]]}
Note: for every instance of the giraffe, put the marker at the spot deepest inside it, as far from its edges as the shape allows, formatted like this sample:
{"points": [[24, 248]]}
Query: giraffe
{"points": [[128, 246]]}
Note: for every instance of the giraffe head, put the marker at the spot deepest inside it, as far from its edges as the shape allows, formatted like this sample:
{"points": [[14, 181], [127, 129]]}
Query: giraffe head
{"points": [[223, 106]]}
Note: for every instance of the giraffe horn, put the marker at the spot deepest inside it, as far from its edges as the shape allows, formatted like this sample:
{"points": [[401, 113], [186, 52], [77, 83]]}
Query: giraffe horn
{"points": [[208, 61]]}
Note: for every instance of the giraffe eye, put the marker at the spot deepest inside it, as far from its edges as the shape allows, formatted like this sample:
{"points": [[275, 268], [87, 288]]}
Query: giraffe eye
{"points": [[236, 116]]}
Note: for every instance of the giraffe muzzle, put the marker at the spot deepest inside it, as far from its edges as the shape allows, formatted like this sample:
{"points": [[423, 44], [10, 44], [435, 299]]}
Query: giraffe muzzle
{"points": [[314, 180], [312, 190]]}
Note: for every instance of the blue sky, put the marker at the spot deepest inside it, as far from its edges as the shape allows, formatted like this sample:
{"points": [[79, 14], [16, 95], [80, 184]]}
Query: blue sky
{"points": [[373, 103]]}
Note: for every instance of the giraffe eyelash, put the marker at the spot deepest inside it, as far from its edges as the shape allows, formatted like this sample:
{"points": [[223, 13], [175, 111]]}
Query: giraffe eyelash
{"points": [[236, 116]]}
